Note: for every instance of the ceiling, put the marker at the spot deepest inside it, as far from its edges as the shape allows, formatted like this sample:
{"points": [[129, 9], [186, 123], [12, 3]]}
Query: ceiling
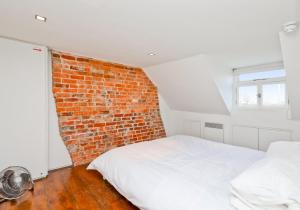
{"points": [[126, 31], [193, 86]]}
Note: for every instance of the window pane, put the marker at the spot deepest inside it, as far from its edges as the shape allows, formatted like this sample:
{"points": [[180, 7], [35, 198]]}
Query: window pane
{"points": [[262, 75], [274, 94], [248, 95]]}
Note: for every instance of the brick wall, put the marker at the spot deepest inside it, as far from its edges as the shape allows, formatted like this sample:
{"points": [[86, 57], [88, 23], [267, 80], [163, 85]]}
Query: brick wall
{"points": [[102, 105]]}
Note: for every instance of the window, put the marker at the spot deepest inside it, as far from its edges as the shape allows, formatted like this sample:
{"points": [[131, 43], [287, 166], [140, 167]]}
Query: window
{"points": [[261, 88], [248, 95], [273, 94]]}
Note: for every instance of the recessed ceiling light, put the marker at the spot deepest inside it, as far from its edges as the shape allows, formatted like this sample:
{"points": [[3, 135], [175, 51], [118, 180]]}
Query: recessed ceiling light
{"points": [[40, 18], [152, 54]]}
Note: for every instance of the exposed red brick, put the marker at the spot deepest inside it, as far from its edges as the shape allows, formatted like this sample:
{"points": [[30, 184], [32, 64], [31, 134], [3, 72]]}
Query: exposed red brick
{"points": [[103, 105], [83, 59], [54, 55], [68, 57]]}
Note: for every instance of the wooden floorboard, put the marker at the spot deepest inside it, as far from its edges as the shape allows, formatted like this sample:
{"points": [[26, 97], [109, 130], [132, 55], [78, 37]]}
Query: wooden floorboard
{"points": [[71, 189]]}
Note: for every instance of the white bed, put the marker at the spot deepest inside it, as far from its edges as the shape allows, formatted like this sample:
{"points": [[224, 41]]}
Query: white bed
{"points": [[175, 173]]}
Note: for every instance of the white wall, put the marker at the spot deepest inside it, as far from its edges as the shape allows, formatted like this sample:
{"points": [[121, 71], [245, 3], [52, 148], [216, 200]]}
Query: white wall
{"points": [[181, 116], [167, 116], [262, 119], [222, 75], [290, 44], [58, 154]]}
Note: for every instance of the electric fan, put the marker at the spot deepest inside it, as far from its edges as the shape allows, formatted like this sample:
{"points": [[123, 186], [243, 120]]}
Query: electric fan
{"points": [[14, 182]]}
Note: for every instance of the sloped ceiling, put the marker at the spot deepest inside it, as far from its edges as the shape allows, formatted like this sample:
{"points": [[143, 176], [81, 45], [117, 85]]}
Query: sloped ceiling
{"points": [[190, 85], [126, 31]]}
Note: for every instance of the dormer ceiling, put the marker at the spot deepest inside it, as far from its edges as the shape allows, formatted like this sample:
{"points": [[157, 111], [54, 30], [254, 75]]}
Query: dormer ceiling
{"points": [[246, 31], [197, 84]]}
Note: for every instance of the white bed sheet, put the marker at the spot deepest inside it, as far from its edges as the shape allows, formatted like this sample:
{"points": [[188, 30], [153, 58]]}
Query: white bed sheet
{"points": [[175, 173]]}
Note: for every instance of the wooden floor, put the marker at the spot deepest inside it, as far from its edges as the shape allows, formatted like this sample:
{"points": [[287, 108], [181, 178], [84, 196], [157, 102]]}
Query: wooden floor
{"points": [[71, 189]]}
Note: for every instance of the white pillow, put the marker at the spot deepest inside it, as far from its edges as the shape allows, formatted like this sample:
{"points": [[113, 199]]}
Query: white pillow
{"points": [[288, 155], [274, 180]]}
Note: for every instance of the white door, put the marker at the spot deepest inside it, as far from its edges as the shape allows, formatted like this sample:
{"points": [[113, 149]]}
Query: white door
{"points": [[267, 136], [23, 106], [192, 128], [245, 136]]}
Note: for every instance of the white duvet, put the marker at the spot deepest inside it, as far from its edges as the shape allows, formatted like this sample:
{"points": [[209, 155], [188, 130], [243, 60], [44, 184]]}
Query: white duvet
{"points": [[175, 173], [272, 183]]}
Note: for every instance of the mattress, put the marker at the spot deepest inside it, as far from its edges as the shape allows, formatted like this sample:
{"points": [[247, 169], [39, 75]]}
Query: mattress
{"points": [[175, 173]]}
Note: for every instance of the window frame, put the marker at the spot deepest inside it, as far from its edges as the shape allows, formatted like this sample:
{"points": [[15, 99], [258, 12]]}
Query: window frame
{"points": [[259, 83]]}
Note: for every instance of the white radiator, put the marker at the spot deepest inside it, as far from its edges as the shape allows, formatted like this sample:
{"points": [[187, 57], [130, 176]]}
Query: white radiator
{"points": [[214, 132]]}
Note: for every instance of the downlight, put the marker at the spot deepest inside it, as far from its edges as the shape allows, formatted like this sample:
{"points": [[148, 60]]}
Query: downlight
{"points": [[151, 54], [40, 18]]}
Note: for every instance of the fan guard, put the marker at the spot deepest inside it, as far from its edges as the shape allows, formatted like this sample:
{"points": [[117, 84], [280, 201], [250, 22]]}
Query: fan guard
{"points": [[14, 182]]}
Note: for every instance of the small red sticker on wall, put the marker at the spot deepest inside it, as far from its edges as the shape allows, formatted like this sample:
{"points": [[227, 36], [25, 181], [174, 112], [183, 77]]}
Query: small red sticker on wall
{"points": [[37, 49]]}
